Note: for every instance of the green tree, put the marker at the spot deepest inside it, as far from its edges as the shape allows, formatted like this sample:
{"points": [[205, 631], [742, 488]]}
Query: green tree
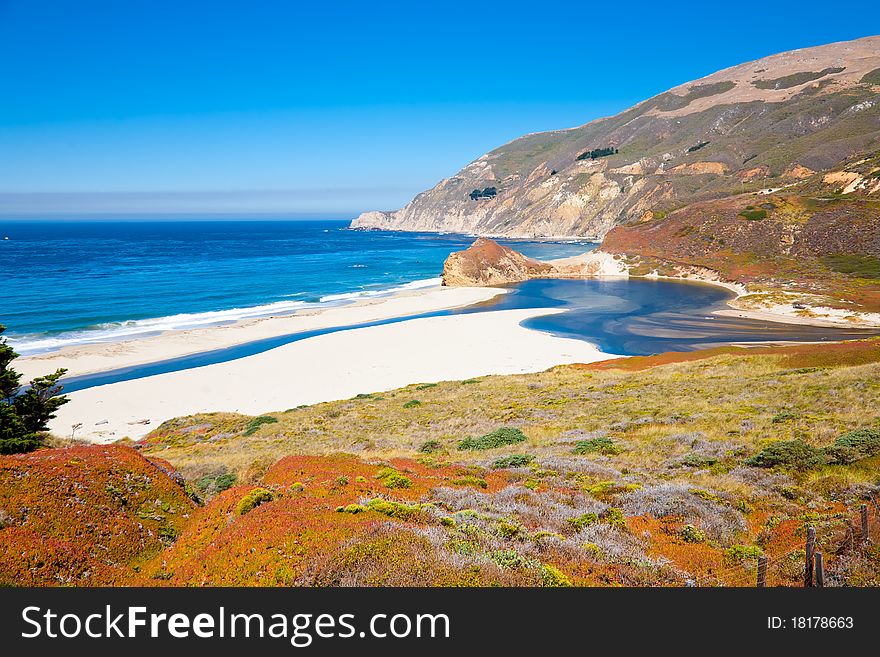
{"points": [[24, 417]]}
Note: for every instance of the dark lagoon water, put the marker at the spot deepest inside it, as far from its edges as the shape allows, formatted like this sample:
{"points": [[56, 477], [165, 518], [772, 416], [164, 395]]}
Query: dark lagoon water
{"points": [[638, 317]]}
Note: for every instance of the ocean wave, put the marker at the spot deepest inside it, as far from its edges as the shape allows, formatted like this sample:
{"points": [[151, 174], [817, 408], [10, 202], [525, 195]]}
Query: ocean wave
{"points": [[413, 285], [30, 344]]}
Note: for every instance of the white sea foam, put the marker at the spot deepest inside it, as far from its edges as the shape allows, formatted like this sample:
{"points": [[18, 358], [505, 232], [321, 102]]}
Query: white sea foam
{"points": [[38, 343], [414, 285]]}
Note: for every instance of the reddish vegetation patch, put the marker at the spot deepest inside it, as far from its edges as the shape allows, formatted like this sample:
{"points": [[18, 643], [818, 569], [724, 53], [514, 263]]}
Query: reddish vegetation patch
{"points": [[762, 239], [84, 515], [96, 515], [300, 537]]}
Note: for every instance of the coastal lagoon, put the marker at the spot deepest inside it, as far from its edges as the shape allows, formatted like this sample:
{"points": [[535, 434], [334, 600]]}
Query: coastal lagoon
{"points": [[639, 316]]}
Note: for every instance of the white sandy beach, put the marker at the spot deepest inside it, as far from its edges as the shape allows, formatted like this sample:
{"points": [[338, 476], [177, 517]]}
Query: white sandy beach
{"points": [[326, 367], [105, 356]]}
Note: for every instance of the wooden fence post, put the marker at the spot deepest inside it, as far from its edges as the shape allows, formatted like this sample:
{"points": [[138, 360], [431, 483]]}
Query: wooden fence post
{"points": [[847, 544], [762, 571], [811, 551], [864, 513], [820, 570]]}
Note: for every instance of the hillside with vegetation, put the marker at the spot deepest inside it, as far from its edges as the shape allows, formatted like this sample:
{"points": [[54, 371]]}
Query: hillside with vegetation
{"points": [[813, 243], [763, 124], [658, 470]]}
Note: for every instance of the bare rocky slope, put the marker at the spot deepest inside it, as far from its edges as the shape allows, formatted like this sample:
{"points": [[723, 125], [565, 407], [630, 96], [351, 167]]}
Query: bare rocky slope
{"points": [[488, 263], [768, 123]]}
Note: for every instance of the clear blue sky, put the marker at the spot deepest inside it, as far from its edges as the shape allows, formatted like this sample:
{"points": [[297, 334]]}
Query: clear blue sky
{"points": [[334, 107]]}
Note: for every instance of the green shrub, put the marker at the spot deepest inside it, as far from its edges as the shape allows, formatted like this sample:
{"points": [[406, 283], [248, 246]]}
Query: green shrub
{"points": [[585, 520], [430, 446], [254, 499], [609, 516], [397, 510], [784, 416], [872, 77], [553, 577], [351, 508], [507, 529], [855, 446], [211, 485], [614, 517], [393, 479], [425, 386], [753, 214], [412, 403], [224, 482], [739, 553], [690, 534], [857, 265], [498, 438], [791, 454], [257, 422], [513, 461], [693, 460], [511, 559], [795, 79], [602, 445], [743, 507], [470, 480]]}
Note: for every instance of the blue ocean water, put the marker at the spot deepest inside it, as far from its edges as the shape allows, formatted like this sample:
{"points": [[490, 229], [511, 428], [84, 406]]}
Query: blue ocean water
{"points": [[75, 282]]}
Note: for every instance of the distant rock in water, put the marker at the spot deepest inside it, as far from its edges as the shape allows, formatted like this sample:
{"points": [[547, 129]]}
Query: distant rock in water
{"points": [[485, 262]]}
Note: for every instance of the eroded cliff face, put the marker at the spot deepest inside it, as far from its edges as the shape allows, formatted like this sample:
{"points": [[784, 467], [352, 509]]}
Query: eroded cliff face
{"points": [[487, 263], [762, 124]]}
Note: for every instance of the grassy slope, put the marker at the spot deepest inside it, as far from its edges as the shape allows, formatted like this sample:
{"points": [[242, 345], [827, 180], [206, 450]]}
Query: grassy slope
{"points": [[680, 427]]}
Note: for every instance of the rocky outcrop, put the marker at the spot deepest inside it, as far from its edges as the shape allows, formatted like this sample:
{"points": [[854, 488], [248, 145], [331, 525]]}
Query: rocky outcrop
{"points": [[486, 262], [760, 124]]}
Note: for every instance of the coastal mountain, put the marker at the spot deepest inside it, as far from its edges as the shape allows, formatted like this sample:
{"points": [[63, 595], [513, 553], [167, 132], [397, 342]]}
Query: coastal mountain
{"points": [[814, 242], [769, 123]]}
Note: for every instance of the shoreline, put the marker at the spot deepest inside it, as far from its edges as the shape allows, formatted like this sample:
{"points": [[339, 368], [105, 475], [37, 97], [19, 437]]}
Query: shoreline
{"points": [[821, 316], [101, 357], [327, 367], [107, 356]]}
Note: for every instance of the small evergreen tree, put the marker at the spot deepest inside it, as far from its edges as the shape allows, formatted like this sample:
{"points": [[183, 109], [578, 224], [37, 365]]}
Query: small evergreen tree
{"points": [[24, 417]]}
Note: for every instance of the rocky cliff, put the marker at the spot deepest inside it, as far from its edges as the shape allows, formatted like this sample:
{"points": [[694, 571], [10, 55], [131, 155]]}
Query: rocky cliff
{"points": [[487, 263], [768, 123]]}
